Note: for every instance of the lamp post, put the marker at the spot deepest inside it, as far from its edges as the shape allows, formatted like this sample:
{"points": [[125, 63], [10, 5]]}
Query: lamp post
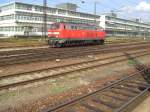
{"points": [[45, 18], [95, 8]]}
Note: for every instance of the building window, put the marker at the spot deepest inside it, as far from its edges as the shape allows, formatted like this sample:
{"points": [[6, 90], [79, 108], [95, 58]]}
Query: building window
{"points": [[61, 12], [52, 11], [7, 7], [39, 9], [23, 7], [7, 17]]}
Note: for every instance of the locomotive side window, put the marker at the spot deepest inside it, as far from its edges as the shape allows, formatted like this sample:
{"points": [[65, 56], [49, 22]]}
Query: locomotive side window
{"points": [[55, 26], [64, 26], [68, 26], [73, 27], [76, 27]]}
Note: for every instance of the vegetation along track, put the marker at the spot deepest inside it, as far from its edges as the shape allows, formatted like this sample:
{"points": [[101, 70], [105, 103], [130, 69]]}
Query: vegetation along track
{"points": [[64, 53], [25, 51], [120, 96], [13, 80]]}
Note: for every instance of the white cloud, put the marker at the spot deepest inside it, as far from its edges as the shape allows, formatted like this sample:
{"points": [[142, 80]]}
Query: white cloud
{"points": [[92, 0], [141, 10], [128, 9], [143, 6]]}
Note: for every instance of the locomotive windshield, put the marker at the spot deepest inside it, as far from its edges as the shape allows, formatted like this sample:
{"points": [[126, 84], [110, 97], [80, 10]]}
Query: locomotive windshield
{"points": [[54, 26]]}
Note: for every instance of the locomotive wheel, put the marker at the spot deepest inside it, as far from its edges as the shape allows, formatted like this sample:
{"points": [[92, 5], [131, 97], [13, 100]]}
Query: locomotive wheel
{"points": [[53, 45], [58, 45], [48, 42], [101, 42]]}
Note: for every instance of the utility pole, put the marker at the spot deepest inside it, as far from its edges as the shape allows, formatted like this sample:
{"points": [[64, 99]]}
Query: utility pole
{"points": [[95, 12], [44, 18], [126, 31]]}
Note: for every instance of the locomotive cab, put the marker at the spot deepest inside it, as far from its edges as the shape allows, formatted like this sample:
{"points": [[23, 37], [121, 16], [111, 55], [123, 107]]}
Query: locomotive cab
{"points": [[54, 34]]}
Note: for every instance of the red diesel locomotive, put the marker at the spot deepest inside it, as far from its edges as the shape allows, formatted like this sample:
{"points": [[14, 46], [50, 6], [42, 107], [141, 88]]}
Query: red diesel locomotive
{"points": [[72, 34]]}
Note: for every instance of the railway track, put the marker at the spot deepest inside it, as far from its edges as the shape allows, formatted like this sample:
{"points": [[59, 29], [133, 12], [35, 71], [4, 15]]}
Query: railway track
{"points": [[25, 51], [46, 54], [14, 80], [120, 96]]}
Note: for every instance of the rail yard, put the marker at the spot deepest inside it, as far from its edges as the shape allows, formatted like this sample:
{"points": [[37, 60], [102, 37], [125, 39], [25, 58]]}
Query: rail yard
{"points": [[112, 77], [61, 59]]}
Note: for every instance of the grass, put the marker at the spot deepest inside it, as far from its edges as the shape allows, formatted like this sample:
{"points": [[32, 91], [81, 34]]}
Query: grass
{"points": [[36, 41], [124, 39], [22, 42], [55, 89]]}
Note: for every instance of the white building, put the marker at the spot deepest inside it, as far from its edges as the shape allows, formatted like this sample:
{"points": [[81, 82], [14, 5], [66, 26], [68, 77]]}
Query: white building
{"points": [[115, 26], [21, 19]]}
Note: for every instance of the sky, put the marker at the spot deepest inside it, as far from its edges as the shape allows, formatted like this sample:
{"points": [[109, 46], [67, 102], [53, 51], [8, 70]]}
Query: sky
{"points": [[129, 9]]}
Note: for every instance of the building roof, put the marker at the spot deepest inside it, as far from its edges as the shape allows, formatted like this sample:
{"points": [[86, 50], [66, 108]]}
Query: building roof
{"points": [[14, 2], [67, 6], [127, 20]]}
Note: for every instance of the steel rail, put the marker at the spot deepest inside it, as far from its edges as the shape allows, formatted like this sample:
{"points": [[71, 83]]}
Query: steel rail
{"points": [[68, 54], [23, 52], [77, 100], [74, 64], [127, 106], [7, 86]]}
